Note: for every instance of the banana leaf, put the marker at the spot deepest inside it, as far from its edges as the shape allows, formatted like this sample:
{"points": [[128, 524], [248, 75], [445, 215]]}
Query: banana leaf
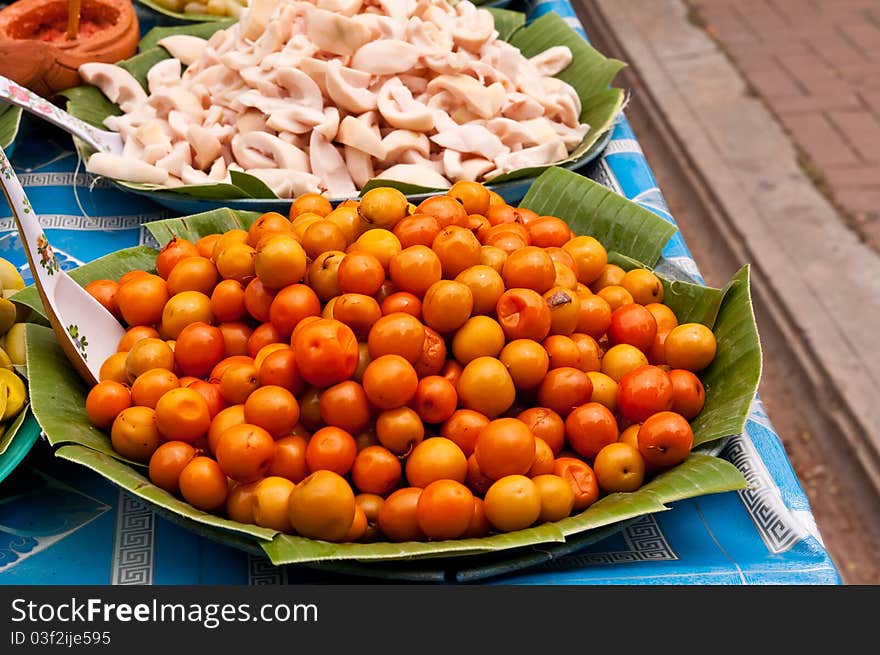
{"points": [[58, 398], [731, 381], [9, 430], [108, 267], [204, 30], [699, 475], [590, 73], [10, 119], [590, 208], [138, 485], [181, 16]]}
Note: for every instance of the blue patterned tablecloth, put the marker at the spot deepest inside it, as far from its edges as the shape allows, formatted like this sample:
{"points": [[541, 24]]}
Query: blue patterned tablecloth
{"points": [[63, 524]]}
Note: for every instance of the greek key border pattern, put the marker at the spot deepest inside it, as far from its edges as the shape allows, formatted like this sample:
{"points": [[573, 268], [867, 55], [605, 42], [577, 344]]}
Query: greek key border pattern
{"points": [[74, 222], [601, 172], [63, 179], [761, 499], [261, 571], [645, 542], [134, 543]]}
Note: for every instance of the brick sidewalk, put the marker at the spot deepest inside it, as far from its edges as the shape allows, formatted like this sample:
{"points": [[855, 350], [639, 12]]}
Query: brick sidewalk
{"points": [[816, 64]]}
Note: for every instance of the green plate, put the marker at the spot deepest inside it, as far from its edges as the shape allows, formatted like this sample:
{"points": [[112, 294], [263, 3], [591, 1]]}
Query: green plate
{"points": [[21, 445]]}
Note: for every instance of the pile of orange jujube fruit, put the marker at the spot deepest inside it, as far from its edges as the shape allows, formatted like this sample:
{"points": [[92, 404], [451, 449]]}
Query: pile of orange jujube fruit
{"points": [[380, 371]]}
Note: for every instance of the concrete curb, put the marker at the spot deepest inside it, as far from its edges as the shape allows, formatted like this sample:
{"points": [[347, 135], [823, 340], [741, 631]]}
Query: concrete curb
{"points": [[817, 282]]}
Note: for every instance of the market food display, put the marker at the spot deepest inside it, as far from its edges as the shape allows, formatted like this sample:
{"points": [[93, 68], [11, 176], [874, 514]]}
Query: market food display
{"points": [[380, 371], [314, 97]]}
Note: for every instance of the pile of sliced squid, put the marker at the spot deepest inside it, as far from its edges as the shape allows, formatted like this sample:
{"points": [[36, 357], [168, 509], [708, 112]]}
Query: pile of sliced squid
{"points": [[324, 96]]}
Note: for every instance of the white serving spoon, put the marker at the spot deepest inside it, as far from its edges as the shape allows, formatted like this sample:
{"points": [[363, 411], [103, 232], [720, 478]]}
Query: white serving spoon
{"points": [[99, 140], [87, 332]]}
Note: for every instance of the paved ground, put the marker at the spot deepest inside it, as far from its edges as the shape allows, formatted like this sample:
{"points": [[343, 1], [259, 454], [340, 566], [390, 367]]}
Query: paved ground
{"points": [[816, 63], [738, 189]]}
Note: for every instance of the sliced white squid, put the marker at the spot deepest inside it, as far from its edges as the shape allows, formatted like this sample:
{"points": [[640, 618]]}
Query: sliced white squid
{"points": [[457, 167], [178, 123], [472, 139], [301, 141], [561, 101], [287, 183], [446, 63], [434, 162], [335, 32], [174, 161], [552, 61], [330, 125], [316, 69], [475, 168], [486, 102], [133, 149], [540, 155], [257, 17], [294, 118], [359, 135], [214, 76], [120, 87], [381, 27], [164, 74], [290, 56], [300, 87], [154, 133], [329, 166], [256, 78], [541, 129], [397, 10], [398, 142], [472, 27], [273, 38], [177, 98], [571, 136], [348, 88], [416, 174], [190, 175], [521, 107], [415, 83], [385, 57], [344, 7], [512, 133], [428, 36], [205, 145], [397, 106], [360, 165], [504, 57], [183, 47], [124, 168], [264, 150]]}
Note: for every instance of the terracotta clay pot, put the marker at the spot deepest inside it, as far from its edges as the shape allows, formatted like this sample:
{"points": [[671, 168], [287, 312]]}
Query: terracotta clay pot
{"points": [[34, 50]]}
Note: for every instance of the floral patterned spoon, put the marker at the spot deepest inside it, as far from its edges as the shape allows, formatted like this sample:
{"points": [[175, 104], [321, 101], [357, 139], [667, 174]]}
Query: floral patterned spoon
{"points": [[87, 332], [99, 140]]}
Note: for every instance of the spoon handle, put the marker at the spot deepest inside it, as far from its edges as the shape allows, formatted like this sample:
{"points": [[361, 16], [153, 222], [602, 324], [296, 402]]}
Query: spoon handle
{"points": [[16, 94], [37, 248], [71, 310]]}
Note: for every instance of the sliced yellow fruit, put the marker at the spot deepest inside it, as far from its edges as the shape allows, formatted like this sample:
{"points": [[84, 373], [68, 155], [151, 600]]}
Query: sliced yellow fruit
{"points": [[8, 314], [16, 394], [4, 398], [15, 346], [5, 362], [10, 278]]}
